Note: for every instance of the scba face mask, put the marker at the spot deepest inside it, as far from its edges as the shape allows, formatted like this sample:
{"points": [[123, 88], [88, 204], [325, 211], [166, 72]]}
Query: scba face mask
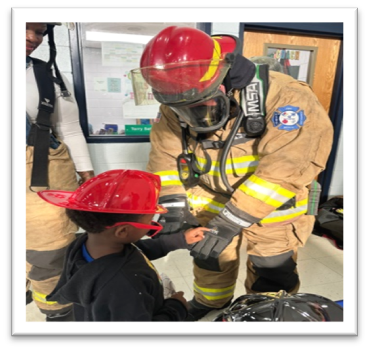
{"points": [[205, 116]]}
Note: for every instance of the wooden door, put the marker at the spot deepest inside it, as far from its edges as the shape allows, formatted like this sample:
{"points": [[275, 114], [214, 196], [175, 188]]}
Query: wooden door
{"points": [[325, 61]]}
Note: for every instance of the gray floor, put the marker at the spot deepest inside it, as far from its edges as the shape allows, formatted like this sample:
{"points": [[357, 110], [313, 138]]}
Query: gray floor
{"points": [[320, 265]]}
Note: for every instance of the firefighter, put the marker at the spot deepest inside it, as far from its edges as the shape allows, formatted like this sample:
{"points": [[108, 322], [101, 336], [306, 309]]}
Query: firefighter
{"points": [[237, 148], [55, 152]]}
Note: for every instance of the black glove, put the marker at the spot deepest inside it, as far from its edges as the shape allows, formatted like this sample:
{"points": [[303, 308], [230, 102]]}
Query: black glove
{"points": [[216, 240], [178, 216]]}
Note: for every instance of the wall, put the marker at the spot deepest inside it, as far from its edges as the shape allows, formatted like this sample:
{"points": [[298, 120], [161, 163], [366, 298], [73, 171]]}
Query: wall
{"points": [[336, 186], [104, 156], [135, 155]]}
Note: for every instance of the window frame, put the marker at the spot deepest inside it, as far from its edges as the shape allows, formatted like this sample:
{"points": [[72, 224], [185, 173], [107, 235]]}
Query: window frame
{"points": [[75, 40]]}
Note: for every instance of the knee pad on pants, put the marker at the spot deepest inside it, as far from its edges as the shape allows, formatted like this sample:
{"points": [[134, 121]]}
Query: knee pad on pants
{"points": [[210, 264], [274, 279]]}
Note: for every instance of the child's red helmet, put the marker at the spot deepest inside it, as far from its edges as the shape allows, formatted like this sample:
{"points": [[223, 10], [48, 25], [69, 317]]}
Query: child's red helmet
{"points": [[114, 191], [184, 65]]}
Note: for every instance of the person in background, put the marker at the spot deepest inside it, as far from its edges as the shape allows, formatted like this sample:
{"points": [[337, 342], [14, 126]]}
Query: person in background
{"points": [[238, 148], [56, 152], [107, 273], [270, 61]]}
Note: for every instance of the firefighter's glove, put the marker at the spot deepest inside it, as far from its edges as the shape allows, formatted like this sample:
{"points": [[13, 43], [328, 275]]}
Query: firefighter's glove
{"points": [[217, 240], [178, 216]]}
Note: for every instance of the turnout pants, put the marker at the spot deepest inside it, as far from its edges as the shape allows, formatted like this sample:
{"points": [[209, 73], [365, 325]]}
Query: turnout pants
{"points": [[271, 260], [48, 230]]}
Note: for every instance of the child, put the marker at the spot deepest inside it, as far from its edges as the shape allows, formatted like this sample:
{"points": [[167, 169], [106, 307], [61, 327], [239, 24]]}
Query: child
{"points": [[107, 273]]}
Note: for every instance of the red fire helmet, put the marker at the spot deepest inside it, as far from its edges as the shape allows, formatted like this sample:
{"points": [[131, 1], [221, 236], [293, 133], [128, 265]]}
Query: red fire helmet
{"points": [[184, 65], [114, 191]]}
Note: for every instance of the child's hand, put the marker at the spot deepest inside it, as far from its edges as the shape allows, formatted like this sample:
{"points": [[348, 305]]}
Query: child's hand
{"points": [[180, 296], [194, 235]]}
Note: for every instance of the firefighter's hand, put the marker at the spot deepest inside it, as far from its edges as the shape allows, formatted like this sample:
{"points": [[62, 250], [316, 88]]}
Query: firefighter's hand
{"points": [[84, 176], [216, 239], [194, 235]]}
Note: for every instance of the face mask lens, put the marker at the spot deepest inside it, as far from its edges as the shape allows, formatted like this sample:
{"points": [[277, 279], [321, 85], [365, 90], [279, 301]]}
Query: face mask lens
{"points": [[204, 114]]}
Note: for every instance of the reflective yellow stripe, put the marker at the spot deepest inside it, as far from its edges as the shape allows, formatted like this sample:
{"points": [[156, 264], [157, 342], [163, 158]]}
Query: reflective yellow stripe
{"points": [[200, 163], [169, 178], [42, 298], [205, 203], [288, 214], [245, 164], [213, 66], [269, 193], [214, 294], [276, 216]]}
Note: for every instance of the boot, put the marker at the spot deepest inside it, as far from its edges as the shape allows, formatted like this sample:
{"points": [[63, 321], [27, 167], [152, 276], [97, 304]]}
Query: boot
{"points": [[29, 298], [61, 317], [197, 310]]}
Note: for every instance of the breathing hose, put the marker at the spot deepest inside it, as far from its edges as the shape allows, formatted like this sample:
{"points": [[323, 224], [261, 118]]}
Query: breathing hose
{"points": [[226, 148]]}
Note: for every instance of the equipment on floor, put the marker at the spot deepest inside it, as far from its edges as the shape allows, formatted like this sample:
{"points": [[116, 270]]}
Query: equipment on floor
{"points": [[281, 307], [329, 221]]}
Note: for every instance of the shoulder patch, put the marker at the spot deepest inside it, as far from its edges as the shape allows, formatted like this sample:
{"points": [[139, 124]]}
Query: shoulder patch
{"points": [[288, 118]]}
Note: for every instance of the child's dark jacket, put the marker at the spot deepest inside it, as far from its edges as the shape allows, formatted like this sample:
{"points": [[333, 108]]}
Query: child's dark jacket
{"points": [[119, 287]]}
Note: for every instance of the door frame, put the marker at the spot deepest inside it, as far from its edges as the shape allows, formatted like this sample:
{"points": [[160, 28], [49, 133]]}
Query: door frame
{"points": [[326, 30]]}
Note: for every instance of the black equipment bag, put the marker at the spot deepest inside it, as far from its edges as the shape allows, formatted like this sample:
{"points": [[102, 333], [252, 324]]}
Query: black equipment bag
{"points": [[329, 221]]}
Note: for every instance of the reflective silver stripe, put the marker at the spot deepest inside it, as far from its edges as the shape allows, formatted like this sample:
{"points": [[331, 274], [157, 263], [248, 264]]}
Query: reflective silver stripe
{"points": [[284, 215], [268, 192], [169, 178], [265, 191], [174, 205], [238, 221], [42, 298], [247, 163]]}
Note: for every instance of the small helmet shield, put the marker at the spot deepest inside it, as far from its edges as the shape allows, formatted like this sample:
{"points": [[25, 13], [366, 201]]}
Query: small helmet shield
{"points": [[185, 82]]}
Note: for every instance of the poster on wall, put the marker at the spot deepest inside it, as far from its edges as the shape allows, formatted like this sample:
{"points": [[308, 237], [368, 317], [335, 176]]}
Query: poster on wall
{"points": [[115, 54], [100, 84], [114, 85]]}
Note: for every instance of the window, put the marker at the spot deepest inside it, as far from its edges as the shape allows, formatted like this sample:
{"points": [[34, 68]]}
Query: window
{"points": [[106, 54], [296, 60]]}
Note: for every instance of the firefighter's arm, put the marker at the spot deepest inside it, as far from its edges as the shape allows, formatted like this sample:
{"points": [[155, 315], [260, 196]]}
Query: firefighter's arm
{"points": [[166, 145], [293, 151], [165, 138], [84, 176]]}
